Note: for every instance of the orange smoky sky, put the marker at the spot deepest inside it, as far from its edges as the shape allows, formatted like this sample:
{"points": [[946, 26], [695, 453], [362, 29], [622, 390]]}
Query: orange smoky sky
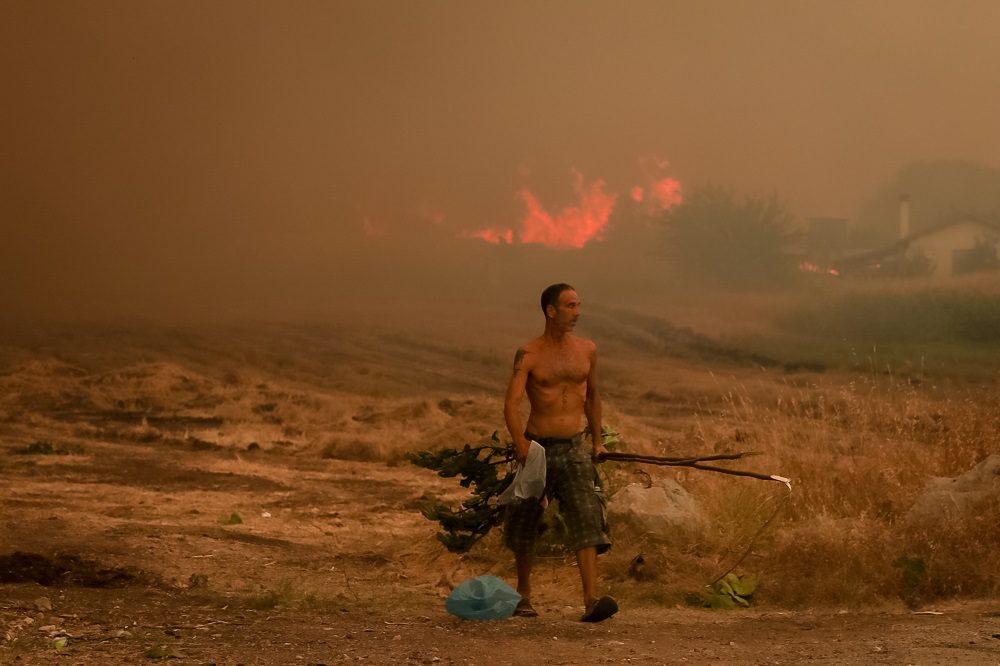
{"points": [[196, 152]]}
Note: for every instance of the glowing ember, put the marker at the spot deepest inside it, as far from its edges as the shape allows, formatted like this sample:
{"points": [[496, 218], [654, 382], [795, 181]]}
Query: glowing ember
{"points": [[809, 267], [493, 236], [638, 193]]}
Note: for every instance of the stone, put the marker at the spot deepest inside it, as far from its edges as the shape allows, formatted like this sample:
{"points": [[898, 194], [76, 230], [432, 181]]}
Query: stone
{"points": [[663, 512], [43, 604], [947, 499]]}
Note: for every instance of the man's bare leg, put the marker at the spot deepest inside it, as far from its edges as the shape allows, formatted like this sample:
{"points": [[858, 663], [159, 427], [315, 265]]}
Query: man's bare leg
{"points": [[596, 608], [523, 562], [586, 561]]}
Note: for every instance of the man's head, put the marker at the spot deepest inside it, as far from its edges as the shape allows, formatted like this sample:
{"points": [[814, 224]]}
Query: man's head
{"points": [[561, 305]]}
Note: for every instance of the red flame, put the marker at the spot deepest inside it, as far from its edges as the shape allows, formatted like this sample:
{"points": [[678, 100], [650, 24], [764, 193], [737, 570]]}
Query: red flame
{"points": [[573, 226], [666, 193], [494, 236]]}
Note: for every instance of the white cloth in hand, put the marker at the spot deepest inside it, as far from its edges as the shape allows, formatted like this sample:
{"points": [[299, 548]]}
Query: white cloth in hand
{"points": [[529, 479]]}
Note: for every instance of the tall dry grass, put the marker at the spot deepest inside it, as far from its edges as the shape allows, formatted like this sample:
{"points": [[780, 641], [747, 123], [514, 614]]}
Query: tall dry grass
{"points": [[859, 453]]}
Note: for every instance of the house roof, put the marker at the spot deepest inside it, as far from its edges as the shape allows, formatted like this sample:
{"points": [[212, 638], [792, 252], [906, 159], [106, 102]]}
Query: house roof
{"points": [[900, 246]]}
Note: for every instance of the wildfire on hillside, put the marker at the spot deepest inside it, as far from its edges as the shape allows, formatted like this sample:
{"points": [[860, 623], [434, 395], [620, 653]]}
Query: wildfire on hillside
{"points": [[576, 225]]}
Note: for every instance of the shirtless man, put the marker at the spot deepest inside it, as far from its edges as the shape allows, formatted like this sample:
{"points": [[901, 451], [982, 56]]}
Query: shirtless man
{"points": [[558, 372]]}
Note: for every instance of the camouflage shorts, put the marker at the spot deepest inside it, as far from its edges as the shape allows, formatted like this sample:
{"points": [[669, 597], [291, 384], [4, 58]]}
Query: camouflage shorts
{"points": [[570, 478]]}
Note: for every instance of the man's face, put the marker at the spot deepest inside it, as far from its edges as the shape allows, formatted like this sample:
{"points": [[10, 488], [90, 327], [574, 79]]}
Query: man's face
{"points": [[567, 311]]}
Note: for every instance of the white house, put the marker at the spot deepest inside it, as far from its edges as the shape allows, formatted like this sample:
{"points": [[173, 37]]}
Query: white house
{"points": [[963, 245]]}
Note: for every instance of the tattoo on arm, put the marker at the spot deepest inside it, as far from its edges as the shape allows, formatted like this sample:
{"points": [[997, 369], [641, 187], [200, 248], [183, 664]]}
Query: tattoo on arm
{"points": [[517, 359]]}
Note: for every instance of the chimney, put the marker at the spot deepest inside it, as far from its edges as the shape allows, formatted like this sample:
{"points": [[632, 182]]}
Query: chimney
{"points": [[904, 216]]}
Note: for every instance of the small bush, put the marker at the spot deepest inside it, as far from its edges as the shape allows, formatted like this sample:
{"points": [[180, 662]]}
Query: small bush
{"points": [[266, 601], [283, 595], [352, 449], [198, 580], [158, 653], [49, 449]]}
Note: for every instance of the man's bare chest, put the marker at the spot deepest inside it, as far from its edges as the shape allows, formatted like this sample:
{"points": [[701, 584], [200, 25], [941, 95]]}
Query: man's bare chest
{"points": [[559, 368]]}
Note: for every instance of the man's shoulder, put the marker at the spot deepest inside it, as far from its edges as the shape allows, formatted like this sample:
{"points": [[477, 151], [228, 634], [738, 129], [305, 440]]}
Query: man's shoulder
{"points": [[534, 345], [584, 343], [524, 356]]}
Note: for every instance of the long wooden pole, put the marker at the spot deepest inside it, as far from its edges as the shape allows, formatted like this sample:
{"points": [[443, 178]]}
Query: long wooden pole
{"points": [[696, 463]]}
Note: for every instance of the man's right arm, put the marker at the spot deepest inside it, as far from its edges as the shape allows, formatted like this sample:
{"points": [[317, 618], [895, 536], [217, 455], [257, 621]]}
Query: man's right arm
{"points": [[512, 403]]}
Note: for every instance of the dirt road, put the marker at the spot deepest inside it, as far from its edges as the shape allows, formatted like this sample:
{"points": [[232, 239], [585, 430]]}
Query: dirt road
{"points": [[333, 564]]}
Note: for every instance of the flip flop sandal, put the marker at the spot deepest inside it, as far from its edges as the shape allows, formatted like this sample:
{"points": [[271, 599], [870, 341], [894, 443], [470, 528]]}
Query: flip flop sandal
{"points": [[524, 609], [600, 609]]}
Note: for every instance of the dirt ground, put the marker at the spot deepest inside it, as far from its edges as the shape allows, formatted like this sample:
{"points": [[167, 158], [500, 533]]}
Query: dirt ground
{"points": [[349, 535], [138, 524]]}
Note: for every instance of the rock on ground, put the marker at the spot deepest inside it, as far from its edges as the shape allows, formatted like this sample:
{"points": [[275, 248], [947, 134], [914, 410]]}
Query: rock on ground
{"points": [[664, 512], [953, 498]]}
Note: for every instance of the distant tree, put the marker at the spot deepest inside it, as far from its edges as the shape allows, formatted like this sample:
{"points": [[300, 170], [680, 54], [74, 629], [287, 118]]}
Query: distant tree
{"points": [[940, 191], [717, 238]]}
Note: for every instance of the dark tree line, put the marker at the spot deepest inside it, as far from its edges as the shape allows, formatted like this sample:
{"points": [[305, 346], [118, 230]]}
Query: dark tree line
{"points": [[719, 238]]}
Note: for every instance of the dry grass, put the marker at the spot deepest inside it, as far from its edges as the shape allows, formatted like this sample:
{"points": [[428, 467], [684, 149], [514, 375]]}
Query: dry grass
{"points": [[859, 452], [859, 446]]}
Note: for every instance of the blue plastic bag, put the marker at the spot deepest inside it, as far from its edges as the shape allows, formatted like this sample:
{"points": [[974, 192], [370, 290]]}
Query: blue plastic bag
{"points": [[483, 598]]}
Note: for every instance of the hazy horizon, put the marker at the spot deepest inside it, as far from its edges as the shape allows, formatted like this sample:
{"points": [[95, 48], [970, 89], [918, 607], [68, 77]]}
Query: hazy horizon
{"points": [[179, 157]]}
